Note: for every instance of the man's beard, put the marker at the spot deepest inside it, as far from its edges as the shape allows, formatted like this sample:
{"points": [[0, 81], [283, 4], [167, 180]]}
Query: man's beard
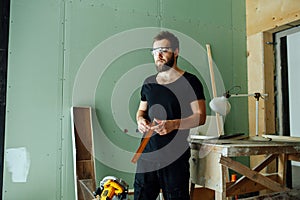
{"points": [[168, 65]]}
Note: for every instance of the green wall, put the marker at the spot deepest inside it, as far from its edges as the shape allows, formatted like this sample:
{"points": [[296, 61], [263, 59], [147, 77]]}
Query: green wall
{"points": [[96, 53]]}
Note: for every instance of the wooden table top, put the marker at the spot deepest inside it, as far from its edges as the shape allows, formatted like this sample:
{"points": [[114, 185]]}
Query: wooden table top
{"points": [[246, 147]]}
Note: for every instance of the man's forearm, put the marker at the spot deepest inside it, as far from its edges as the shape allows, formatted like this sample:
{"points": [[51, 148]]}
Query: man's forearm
{"points": [[191, 121], [140, 115]]}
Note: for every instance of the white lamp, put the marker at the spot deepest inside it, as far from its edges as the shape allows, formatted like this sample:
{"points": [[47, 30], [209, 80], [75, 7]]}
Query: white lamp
{"points": [[222, 106]]}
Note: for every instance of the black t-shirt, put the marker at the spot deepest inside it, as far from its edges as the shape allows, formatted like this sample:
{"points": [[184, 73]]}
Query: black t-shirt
{"points": [[170, 101]]}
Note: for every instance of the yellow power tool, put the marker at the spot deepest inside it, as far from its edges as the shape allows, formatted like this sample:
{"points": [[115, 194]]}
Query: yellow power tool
{"points": [[112, 188]]}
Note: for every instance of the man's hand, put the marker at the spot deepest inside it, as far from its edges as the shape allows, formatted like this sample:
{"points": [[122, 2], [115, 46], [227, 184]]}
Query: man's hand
{"points": [[164, 127], [143, 125]]}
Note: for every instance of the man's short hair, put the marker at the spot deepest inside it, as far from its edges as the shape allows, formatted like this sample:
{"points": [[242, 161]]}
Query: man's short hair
{"points": [[170, 37]]}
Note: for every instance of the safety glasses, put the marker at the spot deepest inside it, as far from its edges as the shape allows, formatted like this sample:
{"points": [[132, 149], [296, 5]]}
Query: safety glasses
{"points": [[156, 51]]}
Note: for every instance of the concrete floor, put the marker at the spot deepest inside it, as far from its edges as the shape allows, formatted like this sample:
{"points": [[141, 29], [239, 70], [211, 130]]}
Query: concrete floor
{"points": [[291, 195]]}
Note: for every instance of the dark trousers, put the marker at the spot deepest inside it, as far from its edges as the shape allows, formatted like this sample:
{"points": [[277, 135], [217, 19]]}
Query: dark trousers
{"points": [[172, 179]]}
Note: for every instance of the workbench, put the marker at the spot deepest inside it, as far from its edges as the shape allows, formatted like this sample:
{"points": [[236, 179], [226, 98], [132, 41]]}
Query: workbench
{"points": [[211, 159]]}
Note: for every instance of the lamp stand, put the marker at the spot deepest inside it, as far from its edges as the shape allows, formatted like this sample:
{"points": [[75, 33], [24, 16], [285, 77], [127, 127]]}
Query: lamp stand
{"points": [[257, 96], [257, 137]]}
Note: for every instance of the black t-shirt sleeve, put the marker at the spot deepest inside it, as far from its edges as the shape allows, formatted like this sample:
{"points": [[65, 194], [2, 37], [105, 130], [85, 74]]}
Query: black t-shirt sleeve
{"points": [[197, 86], [143, 96], [145, 87]]}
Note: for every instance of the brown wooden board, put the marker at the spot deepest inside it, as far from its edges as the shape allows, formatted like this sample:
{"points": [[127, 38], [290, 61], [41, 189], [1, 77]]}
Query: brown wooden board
{"points": [[253, 175], [232, 148], [84, 151]]}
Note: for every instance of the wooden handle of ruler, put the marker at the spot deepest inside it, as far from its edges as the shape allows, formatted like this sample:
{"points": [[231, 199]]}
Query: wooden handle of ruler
{"points": [[142, 146]]}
